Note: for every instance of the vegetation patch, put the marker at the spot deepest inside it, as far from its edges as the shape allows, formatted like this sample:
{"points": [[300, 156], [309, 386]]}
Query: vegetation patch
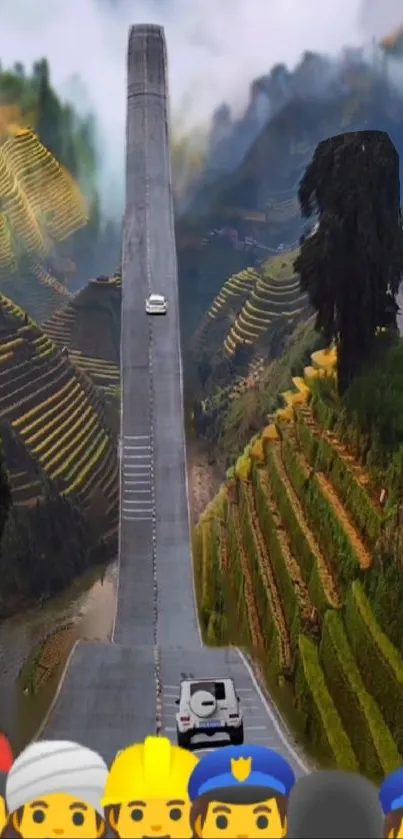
{"points": [[381, 665], [322, 516], [323, 457], [46, 659], [322, 581], [322, 724], [374, 747]]}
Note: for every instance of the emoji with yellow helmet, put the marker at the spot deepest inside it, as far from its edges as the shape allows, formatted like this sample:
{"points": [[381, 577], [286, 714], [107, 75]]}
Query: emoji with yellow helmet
{"points": [[240, 791], [54, 788], [147, 790]]}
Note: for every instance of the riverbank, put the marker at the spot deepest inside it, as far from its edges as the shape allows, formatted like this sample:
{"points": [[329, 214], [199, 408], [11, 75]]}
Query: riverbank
{"points": [[34, 647]]}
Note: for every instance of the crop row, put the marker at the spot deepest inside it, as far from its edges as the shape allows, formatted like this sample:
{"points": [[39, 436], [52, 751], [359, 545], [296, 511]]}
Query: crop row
{"points": [[268, 599], [59, 424], [381, 665], [321, 514], [50, 456], [375, 749], [69, 460], [61, 397], [321, 719], [249, 630], [105, 475], [81, 478], [235, 287], [324, 457], [20, 400], [318, 574]]}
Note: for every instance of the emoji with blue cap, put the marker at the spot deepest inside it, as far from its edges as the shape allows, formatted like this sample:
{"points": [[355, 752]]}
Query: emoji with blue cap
{"points": [[391, 798], [240, 791]]}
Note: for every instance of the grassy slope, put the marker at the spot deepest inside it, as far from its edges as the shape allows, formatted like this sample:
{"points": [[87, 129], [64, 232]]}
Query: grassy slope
{"points": [[233, 408]]}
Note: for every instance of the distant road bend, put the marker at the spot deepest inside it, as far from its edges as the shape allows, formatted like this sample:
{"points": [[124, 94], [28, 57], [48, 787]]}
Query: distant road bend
{"points": [[117, 693]]}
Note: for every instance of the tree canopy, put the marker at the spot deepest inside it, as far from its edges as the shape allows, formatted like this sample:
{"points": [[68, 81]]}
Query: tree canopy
{"points": [[352, 265]]}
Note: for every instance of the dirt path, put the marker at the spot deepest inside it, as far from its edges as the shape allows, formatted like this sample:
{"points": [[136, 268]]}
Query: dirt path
{"points": [[364, 557], [360, 473]]}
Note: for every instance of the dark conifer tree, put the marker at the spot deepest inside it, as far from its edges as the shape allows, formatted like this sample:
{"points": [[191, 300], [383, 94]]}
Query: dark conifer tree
{"points": [[49, 112], [352, 266]]}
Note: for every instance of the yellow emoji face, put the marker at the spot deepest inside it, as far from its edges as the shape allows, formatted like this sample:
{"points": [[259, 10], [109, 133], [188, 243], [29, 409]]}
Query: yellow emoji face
{"points": [[58, 815], [154, 817], [261, 820], [396, 831], [3, 814]]}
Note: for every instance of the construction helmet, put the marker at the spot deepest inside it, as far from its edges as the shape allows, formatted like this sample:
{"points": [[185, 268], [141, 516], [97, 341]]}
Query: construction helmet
{"points": [[153, 769]]}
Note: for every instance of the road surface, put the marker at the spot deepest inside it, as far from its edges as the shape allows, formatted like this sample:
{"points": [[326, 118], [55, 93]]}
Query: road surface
{"points": [[118, 693]]}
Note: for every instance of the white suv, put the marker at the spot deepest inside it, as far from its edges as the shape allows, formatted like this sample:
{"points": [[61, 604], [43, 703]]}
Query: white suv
{"points": [[208, 706], [156, 304]]}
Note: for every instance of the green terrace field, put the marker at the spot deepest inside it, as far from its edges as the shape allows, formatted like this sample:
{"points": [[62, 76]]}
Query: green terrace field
{"points": [[88, 327], [53, 421], [105, 374], [253, 303], [296, 560]]}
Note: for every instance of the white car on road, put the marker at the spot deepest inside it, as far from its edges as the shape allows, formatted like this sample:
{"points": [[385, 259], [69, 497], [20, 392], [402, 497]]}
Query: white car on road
{"points": [[156, 304], [208, 707]]}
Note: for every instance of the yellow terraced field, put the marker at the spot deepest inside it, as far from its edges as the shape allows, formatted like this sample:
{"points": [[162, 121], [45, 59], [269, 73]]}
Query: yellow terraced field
{"points": [[275, 295]]}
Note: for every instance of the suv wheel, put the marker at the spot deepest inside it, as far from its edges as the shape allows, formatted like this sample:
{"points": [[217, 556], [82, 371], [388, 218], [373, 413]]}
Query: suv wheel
{"points": [[237, 736], [183, 739]]}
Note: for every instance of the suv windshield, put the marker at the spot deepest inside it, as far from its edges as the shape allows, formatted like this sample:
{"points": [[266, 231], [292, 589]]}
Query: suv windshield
{"points": [[216, 688]]}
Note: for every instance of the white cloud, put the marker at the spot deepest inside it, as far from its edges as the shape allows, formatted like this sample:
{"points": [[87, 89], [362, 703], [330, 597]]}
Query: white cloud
{"points": [[215, 48]]}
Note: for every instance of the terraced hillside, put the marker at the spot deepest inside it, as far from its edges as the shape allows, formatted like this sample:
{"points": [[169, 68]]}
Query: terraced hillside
{"points": [[255, 306], [52, 418], [89, 328], [297, 560], [36, 291], [41, 208]]}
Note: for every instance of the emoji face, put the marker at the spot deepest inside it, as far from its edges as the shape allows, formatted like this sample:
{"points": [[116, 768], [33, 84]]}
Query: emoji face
{"points": [[396, 832], [155, 817], [58, 815], [242, 820], [3, 815]]}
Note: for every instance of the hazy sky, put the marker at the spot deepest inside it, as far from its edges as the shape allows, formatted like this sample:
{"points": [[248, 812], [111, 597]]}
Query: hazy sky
{"points": [[215, 48]]}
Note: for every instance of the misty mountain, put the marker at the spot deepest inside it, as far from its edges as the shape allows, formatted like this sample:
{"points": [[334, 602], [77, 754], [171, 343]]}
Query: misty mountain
{"points": [[256, 161]]}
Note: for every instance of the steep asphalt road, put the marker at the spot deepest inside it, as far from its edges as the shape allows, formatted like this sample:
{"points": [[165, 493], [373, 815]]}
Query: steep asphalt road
{"points": [[115, 694]]}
